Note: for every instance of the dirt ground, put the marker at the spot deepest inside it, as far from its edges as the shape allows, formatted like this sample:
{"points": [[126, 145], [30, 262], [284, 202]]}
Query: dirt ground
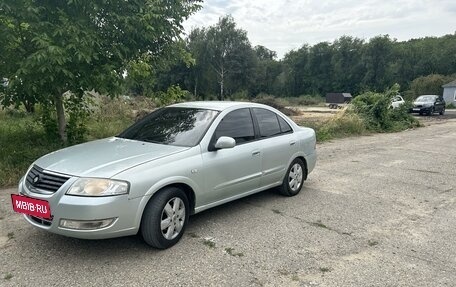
{"points": [[377, 211], [320, 114]]}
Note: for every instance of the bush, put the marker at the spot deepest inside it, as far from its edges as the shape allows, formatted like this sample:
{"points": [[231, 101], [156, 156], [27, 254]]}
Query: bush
{"points": [[427, 85], [172, 95], [378, 115], [345, 123], [275, 103], [450, 106], [306, 100]]}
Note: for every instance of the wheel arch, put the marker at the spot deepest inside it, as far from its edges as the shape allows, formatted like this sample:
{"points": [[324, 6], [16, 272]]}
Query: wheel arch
{"points": [[305, 165]]}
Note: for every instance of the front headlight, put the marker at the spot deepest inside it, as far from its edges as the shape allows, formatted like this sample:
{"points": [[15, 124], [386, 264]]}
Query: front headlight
{"points": [[98, 187]]}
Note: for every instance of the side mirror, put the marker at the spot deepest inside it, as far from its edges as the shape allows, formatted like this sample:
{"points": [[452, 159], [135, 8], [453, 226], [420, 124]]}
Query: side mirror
{"points": [[225, 142]]}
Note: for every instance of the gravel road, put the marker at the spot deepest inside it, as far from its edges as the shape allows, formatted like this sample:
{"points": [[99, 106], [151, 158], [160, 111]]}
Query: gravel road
{"points": [[377, 211]]}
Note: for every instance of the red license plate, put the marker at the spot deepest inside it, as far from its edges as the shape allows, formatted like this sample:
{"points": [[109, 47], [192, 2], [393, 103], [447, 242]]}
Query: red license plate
{"points": [[31, 206]]}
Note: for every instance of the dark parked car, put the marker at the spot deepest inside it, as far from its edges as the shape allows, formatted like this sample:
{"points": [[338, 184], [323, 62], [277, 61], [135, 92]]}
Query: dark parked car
{"points": [[428, 104]]}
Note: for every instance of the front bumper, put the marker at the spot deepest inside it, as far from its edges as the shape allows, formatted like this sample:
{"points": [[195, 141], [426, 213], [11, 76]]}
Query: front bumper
{"points": [[121, 208], [420, 110]]}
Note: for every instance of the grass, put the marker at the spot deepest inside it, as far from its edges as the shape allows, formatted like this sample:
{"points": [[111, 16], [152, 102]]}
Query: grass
{"points": [[295, 277], [193, 235], [10, 235], [23, 139], [320, 224], [8, 276], [209, 242], [231, 252], [372, 242], [324, 269]]}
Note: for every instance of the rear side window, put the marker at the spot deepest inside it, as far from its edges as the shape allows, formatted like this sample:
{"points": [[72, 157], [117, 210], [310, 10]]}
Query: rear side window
{"points": [[267, 122], [284, 126], [237, 124]]}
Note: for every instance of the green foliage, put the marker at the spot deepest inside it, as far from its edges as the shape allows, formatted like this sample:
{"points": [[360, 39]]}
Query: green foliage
{"points": [[450, 106], [79, 112], [172, 95], [348, 64], [22, 140], [344, 124], [428, 85], [378, 115], [48, 121], [50, 47]]}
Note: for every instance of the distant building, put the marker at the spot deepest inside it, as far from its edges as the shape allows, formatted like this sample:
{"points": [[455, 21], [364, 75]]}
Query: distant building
{"points": [[449, 92]]}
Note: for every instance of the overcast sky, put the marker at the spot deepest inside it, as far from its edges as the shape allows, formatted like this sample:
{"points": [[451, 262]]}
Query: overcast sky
{"points": [[283, 25]]}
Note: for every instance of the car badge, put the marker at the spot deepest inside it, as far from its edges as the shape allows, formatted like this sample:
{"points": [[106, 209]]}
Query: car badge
{"points": [[36, 179]]}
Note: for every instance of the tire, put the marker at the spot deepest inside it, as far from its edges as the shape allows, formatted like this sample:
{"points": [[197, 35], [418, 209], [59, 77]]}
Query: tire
{"points": [[169, 207], [294, 178], [442, 112], [431, 111]]}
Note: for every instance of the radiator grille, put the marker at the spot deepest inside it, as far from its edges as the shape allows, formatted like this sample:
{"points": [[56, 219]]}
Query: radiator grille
{"points": [[39, 178]]}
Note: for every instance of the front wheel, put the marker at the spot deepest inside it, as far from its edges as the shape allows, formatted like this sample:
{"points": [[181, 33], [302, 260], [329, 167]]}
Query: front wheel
{"points": [[294, 178], [431, 111], [165, 218], [442, 112]]}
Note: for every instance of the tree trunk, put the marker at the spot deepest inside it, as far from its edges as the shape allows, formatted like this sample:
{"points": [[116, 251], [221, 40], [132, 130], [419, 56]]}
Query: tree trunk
{"points": [[222, 75], [29, 107], [196, 85], [58, 100]]}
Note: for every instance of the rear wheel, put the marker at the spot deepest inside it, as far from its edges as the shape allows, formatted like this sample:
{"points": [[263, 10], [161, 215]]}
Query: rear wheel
{"points": [[294, 178], [165, 218]]}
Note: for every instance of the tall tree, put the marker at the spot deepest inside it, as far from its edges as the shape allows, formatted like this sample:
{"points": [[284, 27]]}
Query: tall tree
{"points": [[348, 69], [54, 46], [377, 56], [230, 53]]}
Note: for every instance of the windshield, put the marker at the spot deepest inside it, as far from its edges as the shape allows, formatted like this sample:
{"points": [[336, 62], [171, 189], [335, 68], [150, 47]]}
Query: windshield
{"points": [[425, 99], [174, 126]]}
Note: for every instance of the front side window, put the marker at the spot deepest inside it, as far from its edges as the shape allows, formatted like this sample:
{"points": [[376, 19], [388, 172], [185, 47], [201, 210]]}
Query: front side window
{"points": [[173, 126], [238, 125]]}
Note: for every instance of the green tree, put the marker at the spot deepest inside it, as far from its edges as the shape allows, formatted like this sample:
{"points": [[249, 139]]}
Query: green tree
{"points": [[348, 69], [230, 54], [296, 73], [55, 46], [377, 57], [428, 85]]}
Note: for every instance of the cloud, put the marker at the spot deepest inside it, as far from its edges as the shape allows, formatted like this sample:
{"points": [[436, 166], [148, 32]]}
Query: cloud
{"points": [[282, 25]]}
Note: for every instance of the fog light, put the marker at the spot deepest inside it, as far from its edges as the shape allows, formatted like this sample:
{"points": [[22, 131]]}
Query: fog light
{"points": [[86, 224]]}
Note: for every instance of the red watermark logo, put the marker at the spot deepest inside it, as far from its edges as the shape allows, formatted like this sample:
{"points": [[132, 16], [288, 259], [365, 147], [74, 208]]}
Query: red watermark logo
{"points": [[31, 206]]}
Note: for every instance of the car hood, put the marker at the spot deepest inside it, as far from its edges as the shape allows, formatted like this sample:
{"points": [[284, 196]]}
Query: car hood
{"points": [[423, 103], [105, 157]]}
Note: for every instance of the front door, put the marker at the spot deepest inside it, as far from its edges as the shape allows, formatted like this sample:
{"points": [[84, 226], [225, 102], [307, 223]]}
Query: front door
{"points": [[233, 171]]}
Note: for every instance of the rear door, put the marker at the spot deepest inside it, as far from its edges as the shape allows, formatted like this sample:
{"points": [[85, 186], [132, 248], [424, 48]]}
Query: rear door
{"points": [[439, 104], [278, 144]]}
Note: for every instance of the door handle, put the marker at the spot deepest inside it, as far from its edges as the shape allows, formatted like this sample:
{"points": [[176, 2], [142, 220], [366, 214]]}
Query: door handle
{"points": [[254, 153], [292, 142]]}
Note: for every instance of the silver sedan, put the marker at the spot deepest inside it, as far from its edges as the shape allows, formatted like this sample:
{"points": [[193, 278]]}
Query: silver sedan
{"points": [[177, 161]]}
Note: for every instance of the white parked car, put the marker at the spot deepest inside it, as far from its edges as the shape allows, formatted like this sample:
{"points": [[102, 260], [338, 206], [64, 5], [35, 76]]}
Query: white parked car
{"points": [[397, 101], [177, 161]]}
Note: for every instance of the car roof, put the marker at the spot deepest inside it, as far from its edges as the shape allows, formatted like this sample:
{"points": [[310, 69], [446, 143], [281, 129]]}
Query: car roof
{"points": [[216, 105]]}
